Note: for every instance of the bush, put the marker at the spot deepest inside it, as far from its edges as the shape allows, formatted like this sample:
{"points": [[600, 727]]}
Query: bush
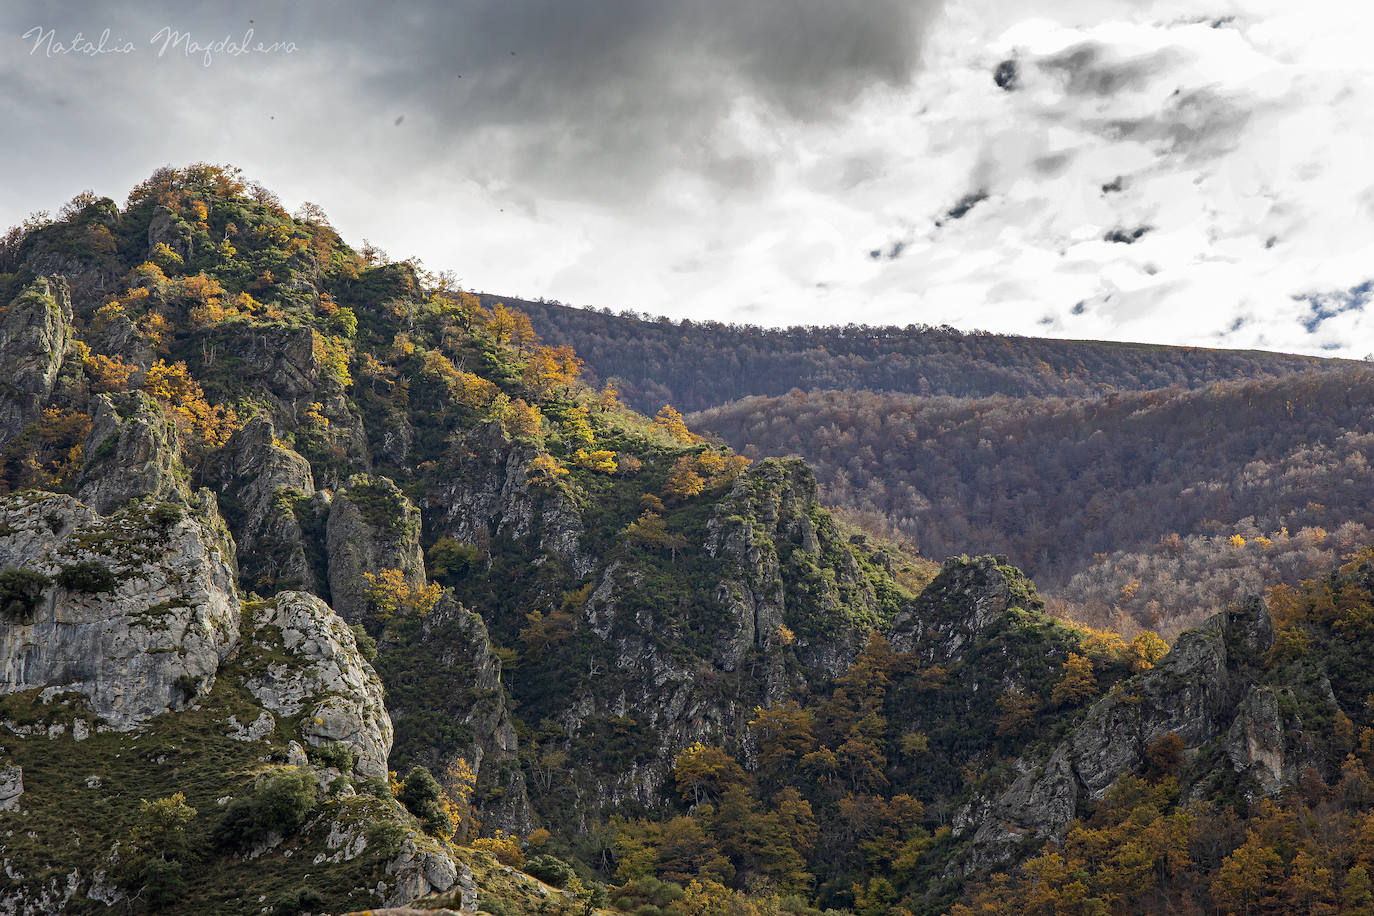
{"points": [[493, 905], [301, 900], [279, 805], [423, 797], [367, 646], [20, 592], [87, 576], [165, 515], [336, 754], [551, 870]]}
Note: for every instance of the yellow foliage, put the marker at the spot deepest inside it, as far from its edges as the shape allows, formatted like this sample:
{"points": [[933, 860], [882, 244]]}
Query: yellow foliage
{"points": [[198, 423], [106, 313], [504, 846], [1237, 541], [109, 373], [314, 417], [683, 480], [599, 460], [551, 367], [1077, 683], [163, 255], [671, 422], [522, 419], [577, 426], [545, 469], [390, 596], [1146, 650]]}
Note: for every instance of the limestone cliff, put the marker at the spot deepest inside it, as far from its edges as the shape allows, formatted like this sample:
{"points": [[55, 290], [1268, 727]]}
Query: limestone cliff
{"points": [[34, 331]]}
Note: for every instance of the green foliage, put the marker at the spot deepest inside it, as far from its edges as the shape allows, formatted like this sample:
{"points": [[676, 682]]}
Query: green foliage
{"points": [[20, 592], [423, 797], [367, 646], [161, 845], [336, 754], [279, 805], [550, 869], [87, 576]]}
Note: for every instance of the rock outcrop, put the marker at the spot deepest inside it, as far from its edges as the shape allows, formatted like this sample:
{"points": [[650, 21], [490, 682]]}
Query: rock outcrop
{"points": [[491, 496], [324, 678], [1205, 689], [131, 452], [960, 603], [372, 526], [261, 482], [34, 332], [141, 613], [787, 572]]}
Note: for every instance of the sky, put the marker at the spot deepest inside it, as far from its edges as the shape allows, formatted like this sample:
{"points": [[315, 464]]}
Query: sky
{"points": [[1187, 173]]}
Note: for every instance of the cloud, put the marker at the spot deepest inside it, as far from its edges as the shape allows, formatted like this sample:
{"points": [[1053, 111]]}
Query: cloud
{"points": [[603, 98], [1328, 305]]}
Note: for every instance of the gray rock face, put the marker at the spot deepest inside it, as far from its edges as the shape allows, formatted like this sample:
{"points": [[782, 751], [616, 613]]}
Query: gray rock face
{"points": [[147, 645], [494, 749], [327, 678], [372, 526], [34, 333], [771, 505], [1196, 692], [132, 452], [418, 872], [491, 496], [11, 787], [171, 230], [960, 603], [258, 480]]}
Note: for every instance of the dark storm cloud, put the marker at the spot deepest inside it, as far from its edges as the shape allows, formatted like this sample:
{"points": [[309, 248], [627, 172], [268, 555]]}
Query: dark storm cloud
{"points": [[606, 94], [1090, 69], [588, 98]]}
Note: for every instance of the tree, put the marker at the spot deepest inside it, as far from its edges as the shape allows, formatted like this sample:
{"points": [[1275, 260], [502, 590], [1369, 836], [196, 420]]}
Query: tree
{"points": [[1016, 709], [671, 422], [158, 848], [523, 420], [1077, 683], [703, 773], [683, 480], [389, 596], [546, 470], [600, 460]]}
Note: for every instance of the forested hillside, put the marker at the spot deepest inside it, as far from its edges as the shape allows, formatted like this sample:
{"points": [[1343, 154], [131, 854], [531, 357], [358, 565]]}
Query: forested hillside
{"points": [[698, 365], [1141, 508], [325, 586]]}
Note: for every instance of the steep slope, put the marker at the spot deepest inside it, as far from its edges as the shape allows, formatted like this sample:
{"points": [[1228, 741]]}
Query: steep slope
{"points": [[601, 638], [564, 595], [1146, 509], [167, 745], [699, 365]]}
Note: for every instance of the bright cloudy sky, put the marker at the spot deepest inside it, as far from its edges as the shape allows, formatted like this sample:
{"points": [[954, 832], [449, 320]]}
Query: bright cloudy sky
{"points": [[1190, 173]]}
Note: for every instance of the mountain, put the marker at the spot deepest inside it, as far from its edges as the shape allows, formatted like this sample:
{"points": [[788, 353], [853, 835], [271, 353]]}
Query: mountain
{"points": [[328, 587], [700, 365], [1150, 509]]}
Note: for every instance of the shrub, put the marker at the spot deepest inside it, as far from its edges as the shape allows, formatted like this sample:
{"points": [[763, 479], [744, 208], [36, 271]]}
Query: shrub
{"points": [[301, 900], [87, 576], [279, 805], [551, 870], [367, 646], [20, 592], [335, 754], [165, 515], [423, 797]]}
